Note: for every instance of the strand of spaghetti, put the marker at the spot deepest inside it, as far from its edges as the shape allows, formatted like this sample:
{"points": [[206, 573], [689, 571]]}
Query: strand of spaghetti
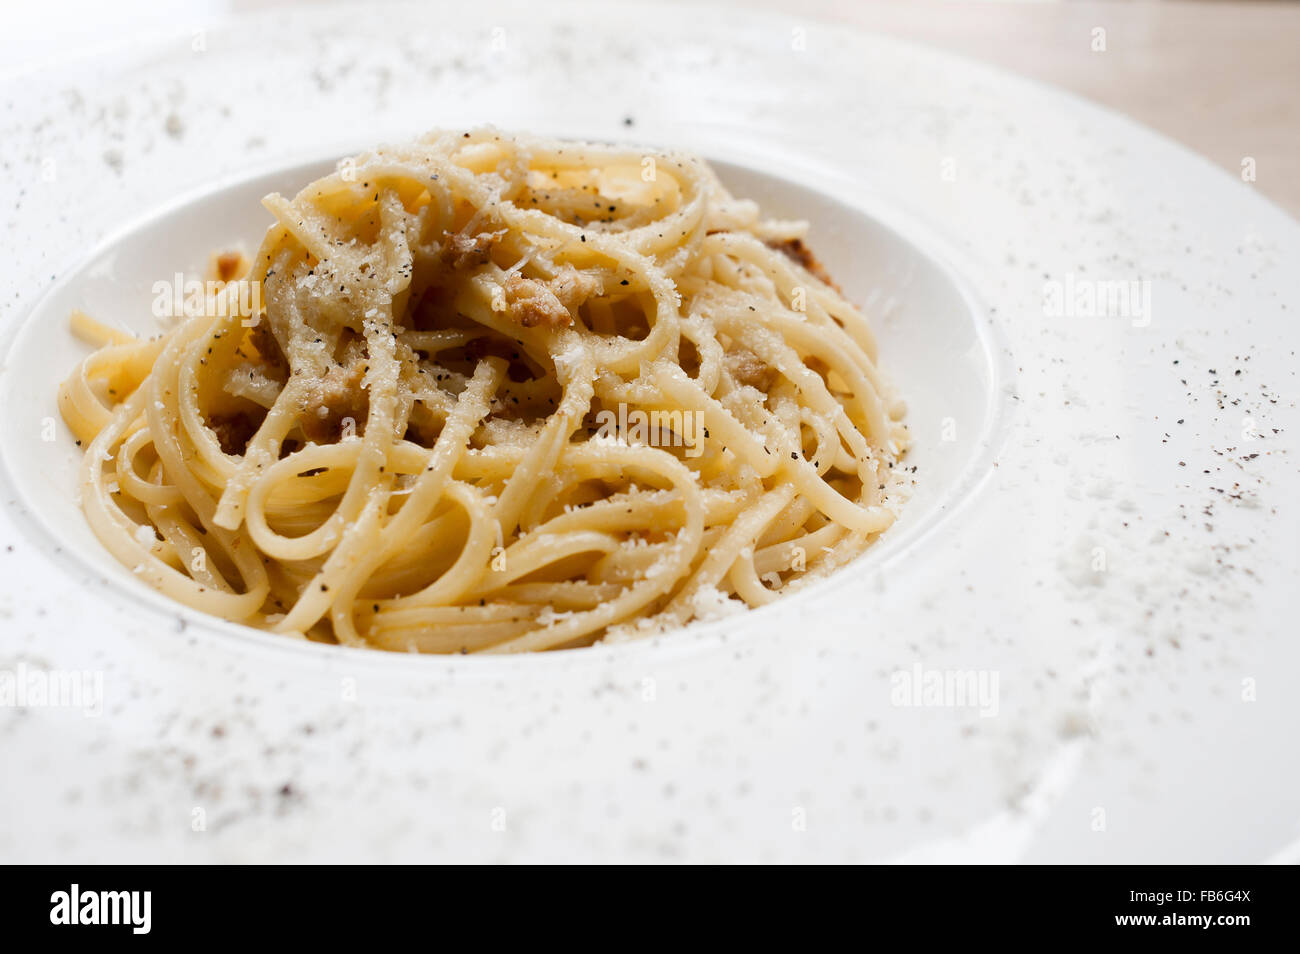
{"points": [[128, 477], [263, 448], [428, 490], [125, 365], [741, 534], [162, 412], [118, 533], [369, 482], [636, 597]]}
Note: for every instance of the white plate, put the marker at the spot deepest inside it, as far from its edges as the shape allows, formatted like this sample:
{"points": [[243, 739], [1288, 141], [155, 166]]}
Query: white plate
{"points": [[929, 324], [1056, 543]]}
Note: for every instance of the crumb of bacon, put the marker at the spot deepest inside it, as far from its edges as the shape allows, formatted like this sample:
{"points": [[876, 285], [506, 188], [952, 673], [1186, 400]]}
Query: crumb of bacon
{"points": [[462, 251], [532, 302], [229, 265], [268, 349], [801, 254], [748, 368], [333, 397]]}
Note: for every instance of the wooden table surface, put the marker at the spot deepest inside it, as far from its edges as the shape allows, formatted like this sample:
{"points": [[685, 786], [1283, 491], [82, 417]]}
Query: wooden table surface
{"points": [[1220, 77]]}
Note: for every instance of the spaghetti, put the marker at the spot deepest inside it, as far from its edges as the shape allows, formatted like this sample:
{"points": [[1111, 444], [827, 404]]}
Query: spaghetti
{"points": [[494, 393]]}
